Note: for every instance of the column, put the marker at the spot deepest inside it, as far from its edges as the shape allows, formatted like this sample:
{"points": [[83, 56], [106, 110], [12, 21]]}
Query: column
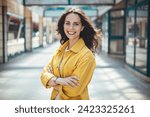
{"points": [[41, 31], [28, 30], [3, 31]]}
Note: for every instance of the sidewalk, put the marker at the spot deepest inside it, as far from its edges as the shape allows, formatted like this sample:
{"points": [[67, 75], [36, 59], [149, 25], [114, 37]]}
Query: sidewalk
{"points": [[112, 81], [20, 78]]}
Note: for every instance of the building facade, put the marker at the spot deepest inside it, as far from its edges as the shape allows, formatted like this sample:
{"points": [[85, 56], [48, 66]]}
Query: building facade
{"points": [[128, 34]]}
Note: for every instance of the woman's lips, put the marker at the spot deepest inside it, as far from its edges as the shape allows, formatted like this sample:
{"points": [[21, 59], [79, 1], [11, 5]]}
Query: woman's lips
{"points": [[71, 33]]}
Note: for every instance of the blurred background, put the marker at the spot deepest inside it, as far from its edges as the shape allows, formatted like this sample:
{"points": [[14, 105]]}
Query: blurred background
{"points": [[28, 40]]}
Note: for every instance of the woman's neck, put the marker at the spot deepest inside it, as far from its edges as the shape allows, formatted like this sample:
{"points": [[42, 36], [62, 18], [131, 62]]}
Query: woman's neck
{"points": [[72, 42]]}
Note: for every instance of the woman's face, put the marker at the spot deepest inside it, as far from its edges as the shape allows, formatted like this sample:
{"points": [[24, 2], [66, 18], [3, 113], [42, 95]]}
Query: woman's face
{"points": [[73, 26]]}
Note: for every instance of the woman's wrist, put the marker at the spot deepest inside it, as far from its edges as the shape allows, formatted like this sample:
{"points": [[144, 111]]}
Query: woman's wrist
{"points": [[55, 80]]}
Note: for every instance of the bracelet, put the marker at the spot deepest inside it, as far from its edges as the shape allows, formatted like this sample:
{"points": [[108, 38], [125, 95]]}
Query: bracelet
{"points": [[53, 77], [55, 80]]}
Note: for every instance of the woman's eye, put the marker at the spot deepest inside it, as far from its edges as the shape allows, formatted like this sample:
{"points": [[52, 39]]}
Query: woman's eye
{"points": [[76, 24], [67, 23]]}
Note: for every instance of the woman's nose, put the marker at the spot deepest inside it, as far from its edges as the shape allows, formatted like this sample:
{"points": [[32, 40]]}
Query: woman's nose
{"points": [[71, 27]]}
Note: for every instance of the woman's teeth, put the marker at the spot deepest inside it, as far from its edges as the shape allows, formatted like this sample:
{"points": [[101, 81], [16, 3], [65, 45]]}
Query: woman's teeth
{"points": [[71, 33]]}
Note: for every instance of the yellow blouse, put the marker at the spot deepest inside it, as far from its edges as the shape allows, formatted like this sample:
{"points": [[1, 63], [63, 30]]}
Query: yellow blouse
{"points": [[79, 61]]}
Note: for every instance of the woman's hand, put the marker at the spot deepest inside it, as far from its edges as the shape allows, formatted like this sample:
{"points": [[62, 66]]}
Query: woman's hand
{"points": [[72, 81], [57, 97]]}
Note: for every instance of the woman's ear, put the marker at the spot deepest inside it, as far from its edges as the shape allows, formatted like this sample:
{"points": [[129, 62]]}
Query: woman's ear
{"points": [[82, 28]]}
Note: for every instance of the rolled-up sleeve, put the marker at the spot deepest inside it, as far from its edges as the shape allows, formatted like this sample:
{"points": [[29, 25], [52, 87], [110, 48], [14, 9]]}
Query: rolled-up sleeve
{"points": [[46, 75]]}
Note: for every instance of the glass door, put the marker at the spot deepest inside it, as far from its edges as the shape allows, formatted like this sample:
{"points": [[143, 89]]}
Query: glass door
{"points": [[116, 37], [141, 36], [130, 32]]}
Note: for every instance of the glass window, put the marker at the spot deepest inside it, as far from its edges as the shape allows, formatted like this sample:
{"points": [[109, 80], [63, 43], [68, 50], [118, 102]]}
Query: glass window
{"points": [[92, 1], [140, 1], [141, 38], [130, 3], [46, 2], [116, 46], [19, 1], [130, 39], [35, 29], [118, 13], [15, 28], [105, 32], [117, 27]]}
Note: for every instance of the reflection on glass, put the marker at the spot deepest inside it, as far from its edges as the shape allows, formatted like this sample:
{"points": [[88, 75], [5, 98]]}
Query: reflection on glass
{"points": [[118, 13], [35, 29], [105, 32], [117, 27], [140, 0], [15, 28], [40, 2], [19, 1], [116, 46], [92, 1], [71, 1], [141, 38], [130, 40], [130, 3]]}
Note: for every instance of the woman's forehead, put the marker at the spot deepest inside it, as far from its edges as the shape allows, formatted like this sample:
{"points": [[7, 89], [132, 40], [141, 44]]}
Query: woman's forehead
{"points": [[72, 17]]}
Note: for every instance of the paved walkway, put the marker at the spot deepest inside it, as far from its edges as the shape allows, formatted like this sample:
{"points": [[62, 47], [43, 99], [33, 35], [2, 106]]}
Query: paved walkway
{"points": [[20, 78]]}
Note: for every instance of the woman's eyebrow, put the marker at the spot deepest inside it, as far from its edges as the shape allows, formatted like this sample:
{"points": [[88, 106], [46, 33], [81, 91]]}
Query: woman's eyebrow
{"points": [[74, 22], [67, 21], [77, 22]]}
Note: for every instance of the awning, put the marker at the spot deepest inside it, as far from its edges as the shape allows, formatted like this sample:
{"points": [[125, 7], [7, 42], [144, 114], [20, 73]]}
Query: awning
{"points": [[69, 2]]}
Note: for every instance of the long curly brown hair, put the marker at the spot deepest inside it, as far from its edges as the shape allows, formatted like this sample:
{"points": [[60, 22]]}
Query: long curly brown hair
{"points": [[89, 34]]}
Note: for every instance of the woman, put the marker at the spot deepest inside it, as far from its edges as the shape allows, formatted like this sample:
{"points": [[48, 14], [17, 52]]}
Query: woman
{"points": [[71, 68]]}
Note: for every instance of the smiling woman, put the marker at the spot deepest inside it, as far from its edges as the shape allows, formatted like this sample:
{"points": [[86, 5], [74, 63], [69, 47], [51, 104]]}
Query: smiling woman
{"points": [[72, 28], [71, 68]]}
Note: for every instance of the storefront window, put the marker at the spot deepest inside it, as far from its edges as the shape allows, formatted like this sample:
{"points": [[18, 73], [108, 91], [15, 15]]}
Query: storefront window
{"points": [[130, 39], [141, 38], [19, 1], [15, 28], [130, 3], [117, 27], [105, 25], [116, 46], [35, 29], [117, 13], [140, 1], [105, 32]]}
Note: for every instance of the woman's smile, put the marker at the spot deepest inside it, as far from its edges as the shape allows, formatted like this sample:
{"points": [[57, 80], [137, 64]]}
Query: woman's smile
{"points": [[71, 32]]}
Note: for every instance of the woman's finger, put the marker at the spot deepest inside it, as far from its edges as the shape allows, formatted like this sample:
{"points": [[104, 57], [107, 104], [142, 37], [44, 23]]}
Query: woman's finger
{"points": [[76, 82], [72, 84], [74, 77]]}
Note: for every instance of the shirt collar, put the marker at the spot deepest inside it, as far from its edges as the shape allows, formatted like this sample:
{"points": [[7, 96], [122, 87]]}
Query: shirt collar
{"points": [[75, 48]]}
